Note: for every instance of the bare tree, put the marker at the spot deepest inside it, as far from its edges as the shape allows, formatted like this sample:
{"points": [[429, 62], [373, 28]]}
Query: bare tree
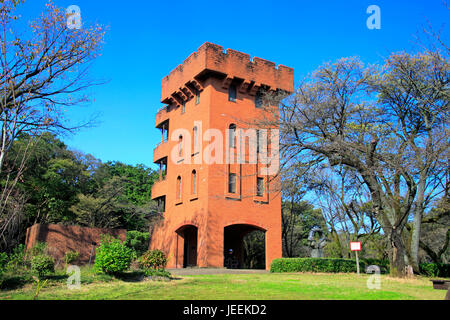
{"points": [[389, 125], [44, 71], [346, 206]]}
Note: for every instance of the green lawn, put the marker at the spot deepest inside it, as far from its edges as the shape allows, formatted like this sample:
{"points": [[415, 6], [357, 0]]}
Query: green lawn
{"points": [[303, 286]]}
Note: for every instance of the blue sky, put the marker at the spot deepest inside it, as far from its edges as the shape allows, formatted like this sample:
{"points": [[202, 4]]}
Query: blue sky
{"points": [[147, 39]]}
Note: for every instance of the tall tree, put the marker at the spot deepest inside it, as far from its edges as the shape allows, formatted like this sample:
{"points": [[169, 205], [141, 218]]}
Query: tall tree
{"points": [[43, 72], [390, 126]]}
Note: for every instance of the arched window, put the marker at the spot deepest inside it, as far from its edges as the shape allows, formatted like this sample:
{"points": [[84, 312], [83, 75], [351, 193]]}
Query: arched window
{"points": [[232, 182], [258, 99], [195, 134], [259, 186], [197, 96], [232, 137], [194, 182], [232, 93], [180, 146], [258, 137], [179, 188]]}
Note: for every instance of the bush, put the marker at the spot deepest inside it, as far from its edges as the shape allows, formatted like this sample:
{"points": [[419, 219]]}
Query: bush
{"points": [[40, 248], [71, 256], [138, 241], [42, 265], [435, 270], [113, 256], [157, 274], [17, 258], [153, 260], [314, 265]]}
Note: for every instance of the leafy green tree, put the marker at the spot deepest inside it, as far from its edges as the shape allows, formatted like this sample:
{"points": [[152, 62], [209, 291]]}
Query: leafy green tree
{"points": [[137, 180], [297, 221]]}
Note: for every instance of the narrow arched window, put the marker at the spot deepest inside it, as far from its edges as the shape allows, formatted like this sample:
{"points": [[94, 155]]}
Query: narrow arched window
{"points": [[232, 93], [194, 182], [232, 182], [195, 134], [179, 189], [232, 135], [180, 146], [197, 96]]}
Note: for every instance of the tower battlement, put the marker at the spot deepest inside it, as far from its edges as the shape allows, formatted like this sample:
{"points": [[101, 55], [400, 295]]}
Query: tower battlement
{"points": [[212, 60], [209, 202]]}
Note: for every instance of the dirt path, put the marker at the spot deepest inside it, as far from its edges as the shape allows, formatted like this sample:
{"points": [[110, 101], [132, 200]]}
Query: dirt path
{"points": [[195, 271]]}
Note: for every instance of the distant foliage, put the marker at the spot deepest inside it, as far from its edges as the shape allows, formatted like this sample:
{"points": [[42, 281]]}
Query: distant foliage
{"points": [[153, 260], [138, 241], [314, 265], [113, 256], [3, 261]]}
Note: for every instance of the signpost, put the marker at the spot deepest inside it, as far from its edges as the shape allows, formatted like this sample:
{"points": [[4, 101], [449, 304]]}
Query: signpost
{"points": [[356, 246]]}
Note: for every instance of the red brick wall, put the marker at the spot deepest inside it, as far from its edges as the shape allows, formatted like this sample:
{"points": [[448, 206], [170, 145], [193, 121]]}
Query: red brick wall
{"points": [[61, 239]]}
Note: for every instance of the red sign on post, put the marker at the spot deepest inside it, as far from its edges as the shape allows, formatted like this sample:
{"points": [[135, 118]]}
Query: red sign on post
{"points": [[355, 246]]}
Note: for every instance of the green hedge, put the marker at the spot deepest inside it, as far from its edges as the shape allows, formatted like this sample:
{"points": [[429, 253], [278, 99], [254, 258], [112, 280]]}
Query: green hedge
{"points": [[348, 265], [315, 265], [383, 264], [435, 270]]}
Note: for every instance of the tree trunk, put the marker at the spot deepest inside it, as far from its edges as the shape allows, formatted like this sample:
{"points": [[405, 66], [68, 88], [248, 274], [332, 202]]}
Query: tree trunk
{"points": [[415, 232], [396, 254]]}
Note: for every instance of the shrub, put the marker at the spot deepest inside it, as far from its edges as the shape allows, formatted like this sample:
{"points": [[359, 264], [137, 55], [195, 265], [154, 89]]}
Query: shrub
{"points": [[435, 269], [40, 248], [138, 241], [71, 256], [113, 256], [157, 274], [42, 265], [153, 260], [314, 265], [17, 258]]}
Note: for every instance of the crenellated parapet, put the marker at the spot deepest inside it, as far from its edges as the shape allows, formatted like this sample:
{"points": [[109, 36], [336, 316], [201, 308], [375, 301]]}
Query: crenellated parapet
{"points": [[186, 80]]}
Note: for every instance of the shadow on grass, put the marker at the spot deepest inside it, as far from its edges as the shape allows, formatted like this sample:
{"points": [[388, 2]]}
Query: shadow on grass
{"points": [[14, 282]]}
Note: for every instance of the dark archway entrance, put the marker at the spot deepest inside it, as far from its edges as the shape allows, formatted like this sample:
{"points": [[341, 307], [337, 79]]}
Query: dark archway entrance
{"points": [[244, 247], [189, 235]]}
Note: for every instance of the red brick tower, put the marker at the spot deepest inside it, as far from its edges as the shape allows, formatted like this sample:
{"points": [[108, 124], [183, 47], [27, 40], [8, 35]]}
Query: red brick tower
{"points": [[210, 203]]}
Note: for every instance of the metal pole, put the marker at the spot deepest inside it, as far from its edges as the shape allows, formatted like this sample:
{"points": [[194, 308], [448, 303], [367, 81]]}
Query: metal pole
{"points": [[357, 262]]}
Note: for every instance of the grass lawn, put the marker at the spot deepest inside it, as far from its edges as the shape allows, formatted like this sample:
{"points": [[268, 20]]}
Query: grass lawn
{"points": [[274, 286]]}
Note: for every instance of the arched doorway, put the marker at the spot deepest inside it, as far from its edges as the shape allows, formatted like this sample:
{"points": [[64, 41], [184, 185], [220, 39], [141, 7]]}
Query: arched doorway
{"points": [[188, 246], [244, 247]]}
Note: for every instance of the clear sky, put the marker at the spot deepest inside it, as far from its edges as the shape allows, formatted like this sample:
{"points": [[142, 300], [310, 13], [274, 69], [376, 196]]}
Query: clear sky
{"points": [[147, 39]]}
